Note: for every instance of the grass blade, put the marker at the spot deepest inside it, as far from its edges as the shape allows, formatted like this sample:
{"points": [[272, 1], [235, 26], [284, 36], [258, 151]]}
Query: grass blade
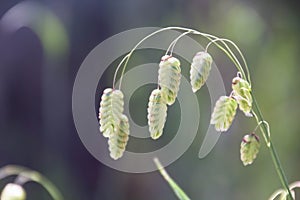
{"points": [[177, 190]]}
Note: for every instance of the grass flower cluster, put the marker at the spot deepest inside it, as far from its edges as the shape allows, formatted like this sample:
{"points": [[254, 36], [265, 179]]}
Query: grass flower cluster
{"points": [[169, 75]]}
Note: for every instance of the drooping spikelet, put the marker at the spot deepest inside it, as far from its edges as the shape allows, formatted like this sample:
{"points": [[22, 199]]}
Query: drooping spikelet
{"points": [[249, 148], [242, 93], [200, 69], [157, 113], [118, 141], [110, 111], [169, 75], [13, 191], [224, 113]]}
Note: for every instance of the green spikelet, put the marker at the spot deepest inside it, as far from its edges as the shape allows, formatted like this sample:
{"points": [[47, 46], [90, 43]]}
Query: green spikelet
{"points": [[249, 148], [13, 191], [110, 111], [242, 93], [169, 75], [118, 141], [157, 113], [200, 69], [224, 113]]}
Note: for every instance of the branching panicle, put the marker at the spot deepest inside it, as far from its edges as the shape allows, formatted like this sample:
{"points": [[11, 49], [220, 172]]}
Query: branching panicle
{"points": [[115, 126]]}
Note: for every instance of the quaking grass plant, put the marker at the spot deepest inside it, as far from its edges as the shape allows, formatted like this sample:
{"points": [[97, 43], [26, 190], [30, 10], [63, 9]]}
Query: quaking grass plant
{"points": [[114, 124]]}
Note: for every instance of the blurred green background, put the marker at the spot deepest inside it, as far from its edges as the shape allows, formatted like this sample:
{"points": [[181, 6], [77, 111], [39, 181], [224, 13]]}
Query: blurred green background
{"points": [[39, 62]]}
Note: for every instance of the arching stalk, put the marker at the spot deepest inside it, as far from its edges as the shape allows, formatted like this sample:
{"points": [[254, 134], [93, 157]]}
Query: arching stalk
{"points": [[222, 44], [210, 37]]}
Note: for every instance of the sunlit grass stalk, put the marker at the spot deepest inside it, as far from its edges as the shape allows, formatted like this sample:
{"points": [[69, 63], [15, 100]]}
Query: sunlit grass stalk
{"points": [[267, 135], [177, 190]]}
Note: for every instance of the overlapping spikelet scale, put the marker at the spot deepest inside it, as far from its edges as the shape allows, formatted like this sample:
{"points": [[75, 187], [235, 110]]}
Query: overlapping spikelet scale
{"points": [[110, 111], [169, 75], [118, 141], [200, 69], [242, 93], [113, 123], [224, 113], [249, 149], [157, 113]]}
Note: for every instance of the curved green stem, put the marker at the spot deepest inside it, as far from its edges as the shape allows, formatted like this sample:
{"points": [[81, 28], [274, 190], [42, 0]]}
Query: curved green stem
{"points": [[132, 50], [267, 136], [172, 45], [25, 175], [240, 53], [120, 64], [229, 53], [272, 150], [212, 42], [210, 37]]}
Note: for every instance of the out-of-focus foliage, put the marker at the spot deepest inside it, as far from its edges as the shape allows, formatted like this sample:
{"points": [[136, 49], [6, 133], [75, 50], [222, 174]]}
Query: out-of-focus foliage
{"points": [[42, 21]]}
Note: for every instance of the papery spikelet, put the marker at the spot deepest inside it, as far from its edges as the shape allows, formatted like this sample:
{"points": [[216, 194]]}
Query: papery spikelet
{"points": [[242, 93], [200, 69], [118, 141], [157, 113], [224, 113], [249, 148], [169, 75], [110, 111], [13, 191]]}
